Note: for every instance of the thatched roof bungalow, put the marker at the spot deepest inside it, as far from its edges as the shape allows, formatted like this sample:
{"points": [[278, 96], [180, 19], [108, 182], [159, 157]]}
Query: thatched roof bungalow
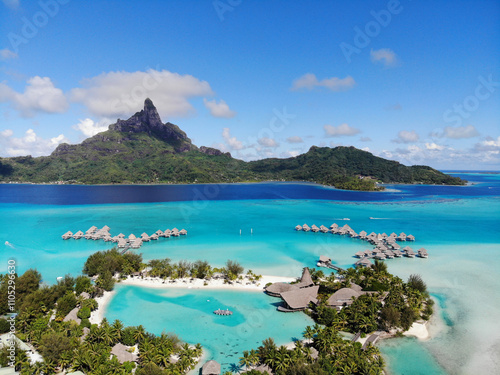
{"points": [[343, 297], [276, 289], [306, 228], [211, 368], [78, 235], [410, 238], [121, 353], [363, 262], [67, 235], [297, 300], [183, 232], [298, 227], [73, 316]]}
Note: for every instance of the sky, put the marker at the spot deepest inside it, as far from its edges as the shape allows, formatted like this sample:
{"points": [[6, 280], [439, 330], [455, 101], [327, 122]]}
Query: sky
{"points": [[412, 81]]}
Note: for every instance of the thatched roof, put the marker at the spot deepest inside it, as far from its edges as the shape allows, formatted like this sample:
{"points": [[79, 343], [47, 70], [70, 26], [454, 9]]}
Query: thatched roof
{"points": [[324, 259], [211, 368], [364, 262], [300, 298], [263, 369], [278, 288], [343, 297], [306, 279], [122, 354], [72, 315]]}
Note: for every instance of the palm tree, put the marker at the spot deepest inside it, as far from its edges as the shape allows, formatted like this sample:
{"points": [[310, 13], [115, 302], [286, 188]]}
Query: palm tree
{"points": [[139, 333], [379, 267], [254, 357], [309, 333], [245, 360]]}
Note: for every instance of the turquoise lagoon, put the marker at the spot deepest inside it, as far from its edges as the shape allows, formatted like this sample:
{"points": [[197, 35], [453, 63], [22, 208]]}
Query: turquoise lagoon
{"points": [[460, 227]]}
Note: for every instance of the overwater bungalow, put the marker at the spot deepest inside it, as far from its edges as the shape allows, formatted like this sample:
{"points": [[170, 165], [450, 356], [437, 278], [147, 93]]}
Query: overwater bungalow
{"points": [[121, 352], [154, 236], [211, 368], [91, 230], [410, 253], [167, 233], [324, 229], [406, 248], [132, 237], [121, 235], [396, 246], [107, 238], [368, 252], [314, 228], [380, 256], [402, 236], [410, 237], [306, 228], [298, 227], [389, 254], [334, 226], [122, 243], [362, 234], [136, 244], [360, 254], [183, 232], [160, 233], [397, 253], [145, 237], [67, 235], [299, 299], [363, 262], [422, 253], [324, 261], [175, 232], [78, 235]]}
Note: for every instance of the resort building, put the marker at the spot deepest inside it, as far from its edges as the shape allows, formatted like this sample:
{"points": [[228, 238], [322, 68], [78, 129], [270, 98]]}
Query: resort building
{"points": [[122, 353], [211, 368], [276, 289], [344, 297], [297, 300]]}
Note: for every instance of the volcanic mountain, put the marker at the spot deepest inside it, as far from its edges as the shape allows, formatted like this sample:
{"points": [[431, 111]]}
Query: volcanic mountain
{"points": [[142, 149]]}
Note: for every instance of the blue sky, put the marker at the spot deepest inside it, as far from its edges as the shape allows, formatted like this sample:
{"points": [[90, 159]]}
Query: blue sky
{"points": [[413, 81]]}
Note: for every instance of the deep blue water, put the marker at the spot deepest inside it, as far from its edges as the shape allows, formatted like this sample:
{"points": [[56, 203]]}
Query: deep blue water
{"points": [[484, 185]]}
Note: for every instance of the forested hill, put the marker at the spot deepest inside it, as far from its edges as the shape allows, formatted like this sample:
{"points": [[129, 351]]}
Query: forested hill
{"points": [[142, 149]]}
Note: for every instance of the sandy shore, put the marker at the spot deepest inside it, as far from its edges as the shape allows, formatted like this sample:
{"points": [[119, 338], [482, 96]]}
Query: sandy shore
{"points": [[418, 330], [245, 284], [97, 315]]}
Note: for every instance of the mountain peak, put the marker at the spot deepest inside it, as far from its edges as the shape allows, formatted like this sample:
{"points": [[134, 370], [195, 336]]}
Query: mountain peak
{"points": [[150, 114]]}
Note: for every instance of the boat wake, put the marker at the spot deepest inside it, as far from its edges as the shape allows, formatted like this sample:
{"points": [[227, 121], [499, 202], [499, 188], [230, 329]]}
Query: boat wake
{"points": [[7, 243]]}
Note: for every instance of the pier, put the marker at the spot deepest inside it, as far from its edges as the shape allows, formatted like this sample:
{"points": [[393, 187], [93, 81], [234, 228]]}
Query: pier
{"points": [[123, 243], [324, 261]]}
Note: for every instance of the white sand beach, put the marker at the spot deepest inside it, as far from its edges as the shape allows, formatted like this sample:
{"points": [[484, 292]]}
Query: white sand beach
{"points": [[97, 315], [418, 330], [245, 284]]}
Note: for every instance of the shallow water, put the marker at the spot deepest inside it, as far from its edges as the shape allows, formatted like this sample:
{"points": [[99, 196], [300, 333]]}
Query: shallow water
{"points": [[459, 226]]}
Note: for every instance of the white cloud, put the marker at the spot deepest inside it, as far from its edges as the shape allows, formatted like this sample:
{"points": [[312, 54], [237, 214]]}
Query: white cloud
{"points": [[294, 139], [90, 128], [29, 144], [268, 142], [433, 146], [232, 142], [365, 139], [405, 136], [40, 95], [6, 54], [460, 132], [339, 131], [384, 55], [220, 109], [488, 144], [309, 81], [116, 94]]}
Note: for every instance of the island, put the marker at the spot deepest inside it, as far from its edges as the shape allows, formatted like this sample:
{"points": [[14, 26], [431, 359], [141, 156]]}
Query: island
{"points": [[143, 150]]}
